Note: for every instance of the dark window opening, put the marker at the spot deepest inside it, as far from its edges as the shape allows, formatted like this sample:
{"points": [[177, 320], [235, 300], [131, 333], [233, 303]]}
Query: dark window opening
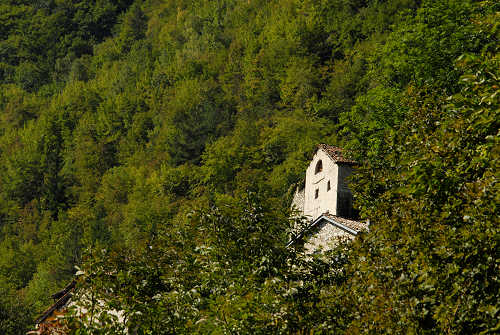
{"points": [[316, 194], [328, 186], [319, 167]]}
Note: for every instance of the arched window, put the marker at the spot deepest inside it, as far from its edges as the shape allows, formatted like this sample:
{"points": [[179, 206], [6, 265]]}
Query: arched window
{"points": [[319, 167], [328, 186]]}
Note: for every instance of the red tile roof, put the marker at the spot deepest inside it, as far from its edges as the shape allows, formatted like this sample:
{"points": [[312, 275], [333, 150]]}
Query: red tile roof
{"points": [[335, 153]]}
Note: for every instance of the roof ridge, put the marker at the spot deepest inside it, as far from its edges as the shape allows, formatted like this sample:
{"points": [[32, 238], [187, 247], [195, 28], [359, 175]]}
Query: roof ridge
{"points": [[335, 153]]}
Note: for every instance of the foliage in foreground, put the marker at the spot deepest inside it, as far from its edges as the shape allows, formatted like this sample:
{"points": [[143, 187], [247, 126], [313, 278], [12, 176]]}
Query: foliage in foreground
{"points": [[180, 105]]}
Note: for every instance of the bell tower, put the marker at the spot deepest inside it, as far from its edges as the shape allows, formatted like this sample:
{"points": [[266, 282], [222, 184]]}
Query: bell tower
{"points": [[326, 188]]}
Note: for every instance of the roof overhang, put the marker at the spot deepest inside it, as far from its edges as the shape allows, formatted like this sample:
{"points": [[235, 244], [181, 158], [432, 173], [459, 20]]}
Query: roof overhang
{"points": [[316, 222], [336, 154]]}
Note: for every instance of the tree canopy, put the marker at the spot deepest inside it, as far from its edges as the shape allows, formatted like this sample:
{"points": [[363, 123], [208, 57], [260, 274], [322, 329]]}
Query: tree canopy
{"points": [[156, 145]]}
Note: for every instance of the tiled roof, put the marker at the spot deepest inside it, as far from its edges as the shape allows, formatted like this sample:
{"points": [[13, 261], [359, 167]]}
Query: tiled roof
{"points": [[358, 226], [353, 227], [335, 153]]}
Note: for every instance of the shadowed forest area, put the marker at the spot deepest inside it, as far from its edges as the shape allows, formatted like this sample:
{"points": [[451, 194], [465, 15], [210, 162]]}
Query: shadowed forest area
{"points": [[154, 147]]}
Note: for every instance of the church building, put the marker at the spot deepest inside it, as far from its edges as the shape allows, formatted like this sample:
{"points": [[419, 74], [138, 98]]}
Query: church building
{"points": [[326, 201]]}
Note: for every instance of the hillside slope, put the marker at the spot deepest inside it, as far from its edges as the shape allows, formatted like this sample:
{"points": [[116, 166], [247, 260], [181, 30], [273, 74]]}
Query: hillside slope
{"points": [[161, 141]]}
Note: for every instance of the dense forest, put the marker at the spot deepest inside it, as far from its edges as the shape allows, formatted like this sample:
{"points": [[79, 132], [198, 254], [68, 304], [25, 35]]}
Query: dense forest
{"points": [[153, 147]]}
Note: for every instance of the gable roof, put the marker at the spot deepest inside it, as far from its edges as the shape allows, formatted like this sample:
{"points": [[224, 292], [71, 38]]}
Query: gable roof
{"points": [[350, 226], [355, 226], [335, 153]]}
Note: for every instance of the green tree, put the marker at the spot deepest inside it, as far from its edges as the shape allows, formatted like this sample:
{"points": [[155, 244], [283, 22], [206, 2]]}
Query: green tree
{"points": [[133, 27]]}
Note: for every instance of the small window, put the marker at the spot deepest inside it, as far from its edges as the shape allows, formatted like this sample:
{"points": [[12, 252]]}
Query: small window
{"points": [[328, 186], [319, 167], [316, 193]]}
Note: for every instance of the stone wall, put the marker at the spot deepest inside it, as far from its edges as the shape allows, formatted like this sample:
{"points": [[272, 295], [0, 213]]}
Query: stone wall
{"points": [[298, 201], [344, 195], [326, 191], [324, 237], [318, 182]]}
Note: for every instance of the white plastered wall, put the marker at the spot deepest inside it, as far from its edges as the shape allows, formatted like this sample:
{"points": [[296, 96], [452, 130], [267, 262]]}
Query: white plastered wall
{"points": [[327, 199]]}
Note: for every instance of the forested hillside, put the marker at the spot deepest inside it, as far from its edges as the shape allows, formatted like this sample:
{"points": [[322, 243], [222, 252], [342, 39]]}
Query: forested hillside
{"points": [[156, 145]]}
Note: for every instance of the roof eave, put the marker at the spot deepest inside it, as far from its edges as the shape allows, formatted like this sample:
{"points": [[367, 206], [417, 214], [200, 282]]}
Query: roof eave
{"points": [[340, 225], [335, 160], [315, 222]]}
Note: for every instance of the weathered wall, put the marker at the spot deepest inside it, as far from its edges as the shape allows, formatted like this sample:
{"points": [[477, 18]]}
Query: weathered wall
{"points": [[337, 200], [326, 235], [298, 201], [327, 199], [344, 195]]}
